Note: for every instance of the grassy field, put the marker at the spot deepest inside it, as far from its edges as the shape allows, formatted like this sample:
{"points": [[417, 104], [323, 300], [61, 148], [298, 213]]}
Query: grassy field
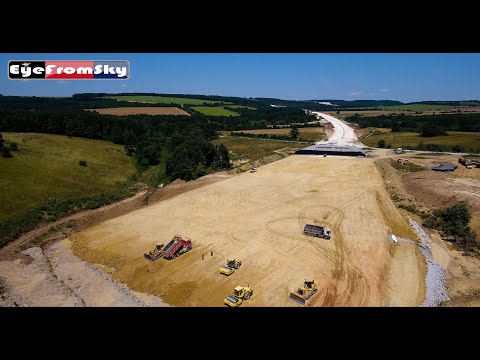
{"points": [[215, 111], [164, 100], [416, 107], [310, 134], [47, 167], [241, 107], [144, 110], [255, 149], [398, 139]]}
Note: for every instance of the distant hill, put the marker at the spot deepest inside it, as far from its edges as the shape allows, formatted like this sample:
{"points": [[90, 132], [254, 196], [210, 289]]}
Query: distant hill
{"points": [[360, 103], [461, 103]]}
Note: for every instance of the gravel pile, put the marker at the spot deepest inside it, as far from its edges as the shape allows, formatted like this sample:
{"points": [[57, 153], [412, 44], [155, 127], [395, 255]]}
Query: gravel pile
{"points": [[92, 285], [436, 293], [421, 234]]}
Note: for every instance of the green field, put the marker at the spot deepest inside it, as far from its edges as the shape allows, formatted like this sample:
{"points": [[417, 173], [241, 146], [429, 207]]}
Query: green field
{"points": [[47, 167], [416, 107], [215, 111], [163, 100], [241, 107], [399, 139], [255, 149], [309, 133]]}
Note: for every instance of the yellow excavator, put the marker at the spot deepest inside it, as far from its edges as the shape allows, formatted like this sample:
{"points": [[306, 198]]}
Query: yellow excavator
{"points": [[231, 266], [240, 293], [304, 293]]}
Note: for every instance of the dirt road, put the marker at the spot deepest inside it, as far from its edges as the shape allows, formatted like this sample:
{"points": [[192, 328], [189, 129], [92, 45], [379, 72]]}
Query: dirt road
{"points": [[259, 218]]}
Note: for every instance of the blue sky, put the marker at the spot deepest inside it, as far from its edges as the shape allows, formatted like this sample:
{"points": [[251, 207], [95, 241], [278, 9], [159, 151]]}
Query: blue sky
{"points": [[403, 77]]}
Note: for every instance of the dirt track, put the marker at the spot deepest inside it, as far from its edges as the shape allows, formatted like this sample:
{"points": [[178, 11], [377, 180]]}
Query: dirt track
{"points": [[259, 218]]}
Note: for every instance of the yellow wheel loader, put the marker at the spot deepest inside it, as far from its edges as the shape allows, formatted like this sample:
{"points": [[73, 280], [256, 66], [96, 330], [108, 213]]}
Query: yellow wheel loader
{"points": [[240, 293], [230, 267], [304, 293]]}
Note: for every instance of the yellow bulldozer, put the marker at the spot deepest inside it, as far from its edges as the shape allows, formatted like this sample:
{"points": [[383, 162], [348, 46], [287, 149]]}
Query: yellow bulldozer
{"points": [[304, 293], [231, 266], [240, 293], [155, 253]]}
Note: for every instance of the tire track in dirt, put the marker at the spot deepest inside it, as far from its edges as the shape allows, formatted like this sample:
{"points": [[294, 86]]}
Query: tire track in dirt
{"points": [[344, 271]]}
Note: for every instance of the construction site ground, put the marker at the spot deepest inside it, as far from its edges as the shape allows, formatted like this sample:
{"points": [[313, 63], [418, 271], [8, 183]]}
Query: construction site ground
{"points": [[259, 218], [431, 190]]}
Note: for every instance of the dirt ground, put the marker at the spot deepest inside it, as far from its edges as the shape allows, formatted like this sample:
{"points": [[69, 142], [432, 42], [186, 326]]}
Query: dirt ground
{"points": [[430, 190], [51, 275], [441, 189], [259, 219], [141, 111], [50, 278]]}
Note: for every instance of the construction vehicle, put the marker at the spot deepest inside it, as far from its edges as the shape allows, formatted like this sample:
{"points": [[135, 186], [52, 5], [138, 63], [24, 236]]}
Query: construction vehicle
{"points": [[317, 231], [155, 253], [469, 164], [253, 169], [304, 293], [231, 266], [176, 247], [240, 293]]}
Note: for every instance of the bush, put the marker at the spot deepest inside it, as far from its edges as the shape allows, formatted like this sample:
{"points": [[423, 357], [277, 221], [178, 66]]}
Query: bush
{"points": [[453, 221], [6, 152], [432, 130], [13, 146], [294, 133], [53, 210], [381, 143], [82, 163]]}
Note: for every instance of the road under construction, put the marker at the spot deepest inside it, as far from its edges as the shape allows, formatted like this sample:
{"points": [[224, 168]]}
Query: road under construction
{"points": [[260, 218]]}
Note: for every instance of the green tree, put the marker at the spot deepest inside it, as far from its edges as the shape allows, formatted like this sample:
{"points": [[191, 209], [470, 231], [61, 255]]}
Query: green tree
{"points": [[223, 157], [294, 133], [429, 130], [6, 152], [381, 143]]}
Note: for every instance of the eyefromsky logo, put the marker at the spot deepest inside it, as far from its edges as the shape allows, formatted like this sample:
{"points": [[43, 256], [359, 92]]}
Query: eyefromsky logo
{"points": [[69, 69]]}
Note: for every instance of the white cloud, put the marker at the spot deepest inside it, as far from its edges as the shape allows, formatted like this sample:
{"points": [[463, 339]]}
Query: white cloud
{"points": [[124, 85], [384, 90], [355, 93]]}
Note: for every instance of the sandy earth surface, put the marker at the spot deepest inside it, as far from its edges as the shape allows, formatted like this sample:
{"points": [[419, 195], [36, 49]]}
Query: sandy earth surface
{"points": [[430, 190], [141, 110], [50, 278], [259, 219]]}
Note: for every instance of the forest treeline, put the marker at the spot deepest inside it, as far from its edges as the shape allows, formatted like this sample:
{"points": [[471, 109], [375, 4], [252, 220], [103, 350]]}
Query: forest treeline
{"points": [[427, 125]]}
